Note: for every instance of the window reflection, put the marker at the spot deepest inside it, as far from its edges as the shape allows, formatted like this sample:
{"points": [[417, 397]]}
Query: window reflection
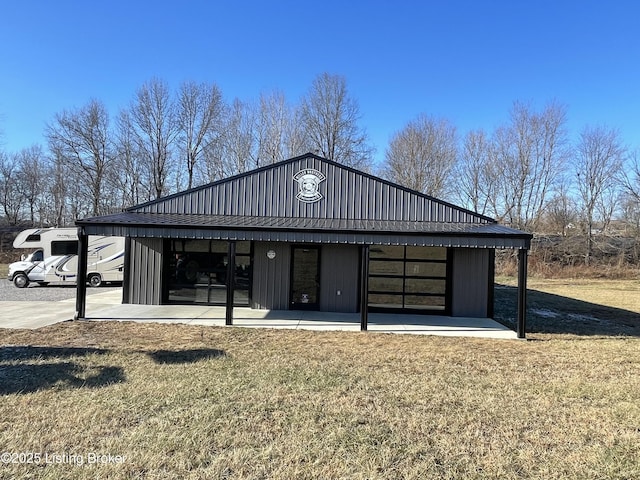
{"points": [[413, 278], [197, 272]]}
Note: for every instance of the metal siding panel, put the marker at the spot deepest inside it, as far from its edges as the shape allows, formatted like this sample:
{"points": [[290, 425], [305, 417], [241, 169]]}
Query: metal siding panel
{"points": [[271, 277], [469, 283], [253, 186], [146, 271], [133, 268], [339, 271], [286, 208], [363, 197], [241, 203], [206, 200], [200, 204], [405, 212], [232, 201], [339, 195], [397, 204], [272, 192], [139, 295], [346, 193], [221, 199], [214, 205]]}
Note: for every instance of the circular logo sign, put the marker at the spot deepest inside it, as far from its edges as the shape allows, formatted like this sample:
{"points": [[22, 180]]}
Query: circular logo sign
{"points": [[309, 183]]}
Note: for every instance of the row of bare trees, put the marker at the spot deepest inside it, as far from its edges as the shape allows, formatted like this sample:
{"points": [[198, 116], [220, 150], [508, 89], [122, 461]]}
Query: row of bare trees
{"points": [[167, 141], [528, 173]]}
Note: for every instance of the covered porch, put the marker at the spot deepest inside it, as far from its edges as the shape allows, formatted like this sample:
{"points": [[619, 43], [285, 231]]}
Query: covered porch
{"points": [[107, 307]]}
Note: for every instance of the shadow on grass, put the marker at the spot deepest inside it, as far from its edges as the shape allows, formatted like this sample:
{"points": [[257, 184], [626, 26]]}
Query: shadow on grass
{"points": [[22, 372], [28, 352], [184, 356], [549, 313]]}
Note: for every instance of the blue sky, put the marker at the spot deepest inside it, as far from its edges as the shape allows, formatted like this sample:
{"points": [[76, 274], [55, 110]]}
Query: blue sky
{"points": [[467, 61]]}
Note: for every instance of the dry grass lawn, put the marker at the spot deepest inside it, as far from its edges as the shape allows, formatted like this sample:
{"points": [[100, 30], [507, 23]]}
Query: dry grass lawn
{"points": [[594, 307], [208, 403]]}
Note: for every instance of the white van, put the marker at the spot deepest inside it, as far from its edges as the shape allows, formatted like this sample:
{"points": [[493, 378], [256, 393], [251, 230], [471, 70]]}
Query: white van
{"points": [[54, 258]]}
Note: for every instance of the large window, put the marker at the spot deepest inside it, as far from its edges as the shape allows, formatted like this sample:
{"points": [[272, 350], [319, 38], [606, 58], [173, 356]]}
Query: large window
{"points": [[197, 272], [408, 278]]}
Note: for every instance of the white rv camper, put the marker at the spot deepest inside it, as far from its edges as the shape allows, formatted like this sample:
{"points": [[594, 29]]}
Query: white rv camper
{"points": [[54, 258]]}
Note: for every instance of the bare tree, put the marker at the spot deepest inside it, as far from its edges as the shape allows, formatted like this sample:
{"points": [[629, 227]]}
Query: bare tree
{"points": [[599, 157], [33, 172], [561, 212], [531, 152], [330, 118], [132, 183], [11, 197], [200, 109], [630, 182], [422, 155], [81, 138], [154, 119], [57, 196], [294, 142], [631, 213], [476, 173], [272, 123], [630, 175], [239, 150]]}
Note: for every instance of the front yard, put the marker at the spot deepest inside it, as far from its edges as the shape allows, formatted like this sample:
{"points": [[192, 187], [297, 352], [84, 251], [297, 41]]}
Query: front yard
{"points": [[173, 401]]}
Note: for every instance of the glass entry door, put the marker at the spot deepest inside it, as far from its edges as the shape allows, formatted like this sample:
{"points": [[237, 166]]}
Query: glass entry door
{"points": [[305, 278]]}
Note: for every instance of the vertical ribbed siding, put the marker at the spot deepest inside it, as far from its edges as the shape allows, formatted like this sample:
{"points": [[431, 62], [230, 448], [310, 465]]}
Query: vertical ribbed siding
{"points": [[339, 272], [271, 192], [271, 276], [469, 284], [145, 271]]}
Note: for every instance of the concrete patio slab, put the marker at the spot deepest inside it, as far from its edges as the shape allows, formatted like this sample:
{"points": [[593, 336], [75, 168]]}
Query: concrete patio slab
{"points": [[108, 306]]}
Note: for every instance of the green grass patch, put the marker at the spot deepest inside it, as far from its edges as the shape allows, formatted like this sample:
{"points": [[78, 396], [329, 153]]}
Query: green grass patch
{"points": [[194, 402]]}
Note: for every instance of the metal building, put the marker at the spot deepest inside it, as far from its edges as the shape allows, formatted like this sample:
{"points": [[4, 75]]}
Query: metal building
{"points": [[309, 233]]}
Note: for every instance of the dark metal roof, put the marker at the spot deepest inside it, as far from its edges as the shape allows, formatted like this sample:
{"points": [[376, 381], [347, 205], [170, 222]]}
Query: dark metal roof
{"points": [[307, 230], [176, 220]]}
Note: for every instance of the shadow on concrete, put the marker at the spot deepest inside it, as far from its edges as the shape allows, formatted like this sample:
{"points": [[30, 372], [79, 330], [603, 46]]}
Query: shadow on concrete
{"points": [[27, 369], [172, 357], [550, 313]]}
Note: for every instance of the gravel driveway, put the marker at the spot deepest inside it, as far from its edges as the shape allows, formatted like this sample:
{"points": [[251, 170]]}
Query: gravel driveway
{"points": [[50, 293]]}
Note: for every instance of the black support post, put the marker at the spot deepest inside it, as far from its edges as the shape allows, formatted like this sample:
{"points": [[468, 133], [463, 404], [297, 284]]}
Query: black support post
{"points": [[364, 288], [81, 278], [231, 277], [522, 293], [126, 274]]}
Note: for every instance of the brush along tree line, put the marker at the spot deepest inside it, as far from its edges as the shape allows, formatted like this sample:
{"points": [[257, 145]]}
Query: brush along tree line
{"points": [[526, 173]]}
